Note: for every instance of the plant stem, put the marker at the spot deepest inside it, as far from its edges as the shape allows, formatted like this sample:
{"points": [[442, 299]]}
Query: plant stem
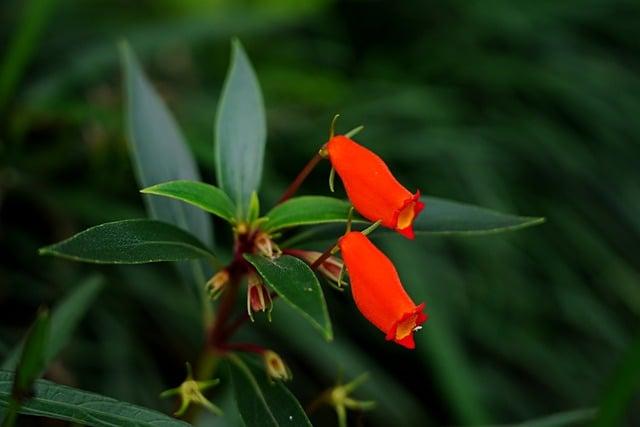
{"points": [[224, 311], [322, 258], [245, 347], [293, 187]]}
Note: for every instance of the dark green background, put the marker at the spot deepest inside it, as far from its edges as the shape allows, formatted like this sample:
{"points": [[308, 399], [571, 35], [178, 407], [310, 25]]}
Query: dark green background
{"points": [[527, 107]]}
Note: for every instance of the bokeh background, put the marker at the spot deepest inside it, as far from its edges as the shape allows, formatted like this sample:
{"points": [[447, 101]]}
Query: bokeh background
{"points": [[527, 107]]}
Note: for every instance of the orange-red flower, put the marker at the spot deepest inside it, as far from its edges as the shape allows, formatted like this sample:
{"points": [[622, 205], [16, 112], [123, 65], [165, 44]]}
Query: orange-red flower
{"points": [[378, 292], [373, 190]]}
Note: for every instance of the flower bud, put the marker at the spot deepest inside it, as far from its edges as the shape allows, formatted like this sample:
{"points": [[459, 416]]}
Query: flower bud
{"points": [[372, 189], [217, 283], [266, 246], [378, 292], [258, 298], [275, 366], [330, 268]]}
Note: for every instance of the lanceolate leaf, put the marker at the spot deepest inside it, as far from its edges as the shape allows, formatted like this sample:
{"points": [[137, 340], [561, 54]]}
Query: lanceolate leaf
{"points": [[30, 366], [69, 404], [159, 151], [135, 241], [295, 283], [308, 210], [439, 217], [33, 358], [261, 402], [204, 196], [240, 131], [443, 216], [65, 317]]}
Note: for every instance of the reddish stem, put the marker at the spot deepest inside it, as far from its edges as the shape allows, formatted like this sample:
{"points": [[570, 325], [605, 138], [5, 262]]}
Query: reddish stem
{"points": [[293, 187], [246, 347], [322, 258]]}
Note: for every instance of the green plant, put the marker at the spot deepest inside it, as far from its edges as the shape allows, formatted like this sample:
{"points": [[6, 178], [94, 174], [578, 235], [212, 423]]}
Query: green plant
{"points": [[179, 229]]}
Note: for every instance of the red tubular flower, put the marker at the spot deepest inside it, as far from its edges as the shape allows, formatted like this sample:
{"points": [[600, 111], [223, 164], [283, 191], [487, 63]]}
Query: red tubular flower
{"points": [[377, 290], [373, 190]]}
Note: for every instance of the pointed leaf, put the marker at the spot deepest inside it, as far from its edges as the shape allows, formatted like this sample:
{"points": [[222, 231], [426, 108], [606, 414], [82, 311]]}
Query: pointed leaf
{"points": [[134, 241], [65, 317], [160, 154], [308, 210], [33, 356], [159, 151], [448, 217], [295, 283], [261, 402], [60, 402], [240, 131], [30, 366], [204, 196]]}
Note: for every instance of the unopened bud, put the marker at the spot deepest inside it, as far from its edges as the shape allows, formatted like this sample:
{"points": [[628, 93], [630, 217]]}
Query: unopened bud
{"points": [[217, 283], [266, 246], [275, 366], [258, 298], [329, 268]]}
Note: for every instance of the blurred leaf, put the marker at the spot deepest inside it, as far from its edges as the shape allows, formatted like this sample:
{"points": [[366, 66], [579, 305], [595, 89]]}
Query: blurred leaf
{"points": [[134, 241], [159, 151], [23, 44], [159, 155], [33, 358], [60, 402], [65, 318], [397, 403], [204, 196], [295, 282], [447, 217], [438, 343], [30, 366], [570, 418], [240, 131], [624, 385], [262, 402], [308, 210]]}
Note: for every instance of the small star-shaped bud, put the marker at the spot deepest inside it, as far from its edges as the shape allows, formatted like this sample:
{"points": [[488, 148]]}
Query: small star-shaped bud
{"points": [[339, 398], [190, 391]]}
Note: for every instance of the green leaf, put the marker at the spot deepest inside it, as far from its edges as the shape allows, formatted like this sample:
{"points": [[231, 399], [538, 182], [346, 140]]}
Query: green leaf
{"points": [[60, 402], [578, 417], [240, 131], [254, 208], [158, 148], [294, 281], [160, 154], [30, 366], [308, 210], [134, 241], [33, 358], [260, 401], [204, 196], [65, 317], [621, 388], [442, 216]]}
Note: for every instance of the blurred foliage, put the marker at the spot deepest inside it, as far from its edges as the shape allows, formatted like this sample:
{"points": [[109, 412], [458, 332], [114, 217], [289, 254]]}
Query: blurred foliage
{"points": [[526, 107]]}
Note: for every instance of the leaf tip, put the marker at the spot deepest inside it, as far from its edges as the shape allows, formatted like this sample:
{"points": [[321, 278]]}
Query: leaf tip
{"points": [[45, 250]]}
